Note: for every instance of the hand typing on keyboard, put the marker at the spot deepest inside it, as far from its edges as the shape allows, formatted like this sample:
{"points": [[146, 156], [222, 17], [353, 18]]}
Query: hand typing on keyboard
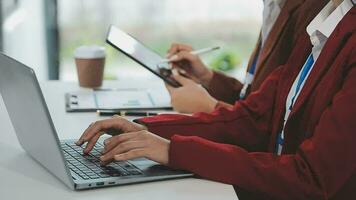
{"points": [[113, 126], [88, 166], [129, 140]]}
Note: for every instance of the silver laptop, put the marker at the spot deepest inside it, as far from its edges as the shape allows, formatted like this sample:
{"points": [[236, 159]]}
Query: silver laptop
{"points": [[37, 135]]}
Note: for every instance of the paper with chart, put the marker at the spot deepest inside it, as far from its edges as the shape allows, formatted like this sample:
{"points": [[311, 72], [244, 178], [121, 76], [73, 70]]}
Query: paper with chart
{"points": [[120, 99]]}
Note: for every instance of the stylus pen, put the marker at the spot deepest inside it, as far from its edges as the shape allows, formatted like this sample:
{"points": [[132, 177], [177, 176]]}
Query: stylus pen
{"points": [[196, 52], [125, 113]]}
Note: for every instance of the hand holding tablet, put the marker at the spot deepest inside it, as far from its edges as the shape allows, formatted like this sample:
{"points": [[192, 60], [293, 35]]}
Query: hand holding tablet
{"points": [[146, 57]]}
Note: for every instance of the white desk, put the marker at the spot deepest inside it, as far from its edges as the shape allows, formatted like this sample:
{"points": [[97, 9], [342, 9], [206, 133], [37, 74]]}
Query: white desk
{"points": [[23, 178]]}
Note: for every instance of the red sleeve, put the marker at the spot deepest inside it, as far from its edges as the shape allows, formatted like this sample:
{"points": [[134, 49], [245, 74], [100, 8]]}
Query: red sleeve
{"points": [[224, 88], [323, 164], [247, 124]]}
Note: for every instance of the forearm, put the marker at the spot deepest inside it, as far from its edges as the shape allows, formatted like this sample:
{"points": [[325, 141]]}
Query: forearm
{"points": [[232, 126], [230, 164], [247, 124], [275, 177], [219, 126]]}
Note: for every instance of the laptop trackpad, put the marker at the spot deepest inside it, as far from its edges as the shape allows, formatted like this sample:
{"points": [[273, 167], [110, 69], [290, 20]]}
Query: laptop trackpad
{"points": [[143, 163], [150, 167]]}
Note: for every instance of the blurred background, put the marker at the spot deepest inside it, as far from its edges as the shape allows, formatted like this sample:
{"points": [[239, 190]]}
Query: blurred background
{"points": [[44, 33]]}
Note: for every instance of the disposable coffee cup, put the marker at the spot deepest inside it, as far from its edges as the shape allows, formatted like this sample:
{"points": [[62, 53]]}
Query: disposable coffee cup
{"points": [[90, 62]]}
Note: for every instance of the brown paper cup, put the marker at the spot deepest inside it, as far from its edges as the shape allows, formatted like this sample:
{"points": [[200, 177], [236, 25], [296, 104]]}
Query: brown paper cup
{"points": [[90, 61], [90, 71]]}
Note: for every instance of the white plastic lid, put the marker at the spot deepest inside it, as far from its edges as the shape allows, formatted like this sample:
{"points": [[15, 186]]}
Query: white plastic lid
{"points": [[89, 52]]}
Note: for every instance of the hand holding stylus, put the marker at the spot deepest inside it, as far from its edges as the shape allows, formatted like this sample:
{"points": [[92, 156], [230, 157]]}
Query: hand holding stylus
{"points": [[174, 57], [181, 57]]}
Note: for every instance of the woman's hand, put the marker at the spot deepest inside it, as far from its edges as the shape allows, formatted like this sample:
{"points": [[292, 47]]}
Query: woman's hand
{"points": [[113, 126], [192, 65], [132, 145], [190, 97]]}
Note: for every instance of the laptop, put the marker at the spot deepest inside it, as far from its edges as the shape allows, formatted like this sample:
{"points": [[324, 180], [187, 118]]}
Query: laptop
{"points": [[37, 135]]}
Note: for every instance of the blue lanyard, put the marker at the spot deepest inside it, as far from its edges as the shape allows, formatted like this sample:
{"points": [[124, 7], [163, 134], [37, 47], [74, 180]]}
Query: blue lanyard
{"points": [[305, 70], [254, 63], [249, 76]]}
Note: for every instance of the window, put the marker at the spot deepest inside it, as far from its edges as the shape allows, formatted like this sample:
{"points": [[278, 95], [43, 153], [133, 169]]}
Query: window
{"points": [[231, 24], [24, 34]]}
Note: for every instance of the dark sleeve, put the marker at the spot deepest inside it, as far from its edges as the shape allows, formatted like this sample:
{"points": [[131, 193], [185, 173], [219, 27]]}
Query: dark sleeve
{"points": [[224, 88]]}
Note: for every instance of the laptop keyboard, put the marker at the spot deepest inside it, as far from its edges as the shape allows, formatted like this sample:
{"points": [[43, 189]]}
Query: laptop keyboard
{"points": [[88, 166]]}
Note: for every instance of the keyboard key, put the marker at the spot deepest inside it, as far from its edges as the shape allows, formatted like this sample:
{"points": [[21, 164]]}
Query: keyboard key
{"points": [[94, 176], [97, 170], [85, 177], [90, 165], [135, 172], [104, 175]]}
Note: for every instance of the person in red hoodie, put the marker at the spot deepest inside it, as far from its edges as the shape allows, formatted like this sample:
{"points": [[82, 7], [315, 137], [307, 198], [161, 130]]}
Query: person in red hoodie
{"points": [[292, 139]]}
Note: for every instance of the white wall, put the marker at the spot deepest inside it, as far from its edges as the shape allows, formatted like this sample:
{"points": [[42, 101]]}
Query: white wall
{"points": [[24, 36]]}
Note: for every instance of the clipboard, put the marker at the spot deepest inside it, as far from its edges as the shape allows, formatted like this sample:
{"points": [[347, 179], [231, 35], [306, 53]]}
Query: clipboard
{"points": [[116, 99]]}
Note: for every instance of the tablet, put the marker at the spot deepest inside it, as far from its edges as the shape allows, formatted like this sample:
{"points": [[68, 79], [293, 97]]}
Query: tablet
{"points": [[140, 53]]}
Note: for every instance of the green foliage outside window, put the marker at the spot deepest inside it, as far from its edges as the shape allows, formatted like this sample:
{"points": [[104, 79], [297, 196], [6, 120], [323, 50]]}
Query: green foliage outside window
{"points": [[226, 61]]}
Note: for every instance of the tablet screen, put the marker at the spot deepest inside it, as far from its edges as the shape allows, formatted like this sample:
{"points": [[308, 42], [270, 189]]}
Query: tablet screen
{"points": [[140, 53]]}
